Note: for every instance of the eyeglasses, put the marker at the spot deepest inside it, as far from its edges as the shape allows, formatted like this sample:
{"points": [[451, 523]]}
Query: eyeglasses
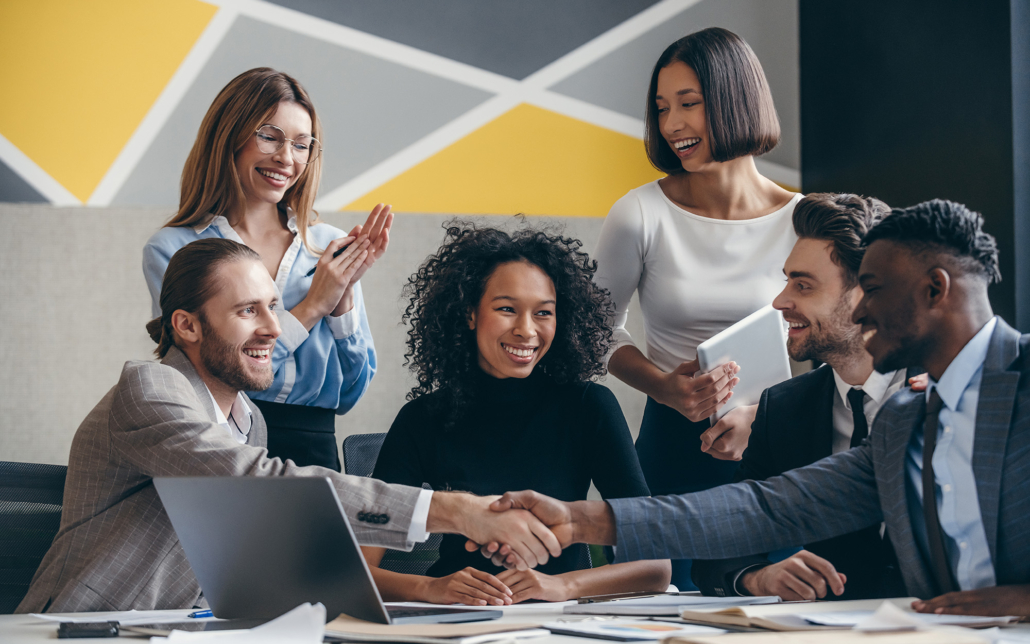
{"points": [[270, 140]]}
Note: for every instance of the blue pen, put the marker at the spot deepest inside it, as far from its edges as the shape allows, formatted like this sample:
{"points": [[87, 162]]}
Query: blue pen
{"points": [[202, 613]]}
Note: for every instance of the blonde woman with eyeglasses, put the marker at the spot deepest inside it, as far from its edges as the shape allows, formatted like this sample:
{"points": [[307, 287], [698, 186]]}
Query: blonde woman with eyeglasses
{"points": [[251, 177]]}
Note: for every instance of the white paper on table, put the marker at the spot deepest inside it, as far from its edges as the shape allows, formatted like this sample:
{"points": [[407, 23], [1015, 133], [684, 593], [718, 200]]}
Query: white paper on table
{"points": [[630, 629], [1005, 635], [889, 617], [304, 624], [667, 605], [124, 617]]}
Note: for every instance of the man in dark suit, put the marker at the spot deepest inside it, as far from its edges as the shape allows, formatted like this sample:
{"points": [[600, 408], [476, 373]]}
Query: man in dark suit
{"points": [[820, 413], [965, 441]]}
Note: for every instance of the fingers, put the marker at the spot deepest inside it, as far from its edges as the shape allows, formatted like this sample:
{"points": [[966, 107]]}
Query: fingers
{"points": [[546, 537], [373, 217], [713, 434], [825, 572], [335, 245], [380, 224], [687, 368], [488, 587]]}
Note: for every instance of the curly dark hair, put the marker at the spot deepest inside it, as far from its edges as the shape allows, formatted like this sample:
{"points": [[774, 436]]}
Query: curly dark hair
{"points": [[944, 227], [442, 350]]}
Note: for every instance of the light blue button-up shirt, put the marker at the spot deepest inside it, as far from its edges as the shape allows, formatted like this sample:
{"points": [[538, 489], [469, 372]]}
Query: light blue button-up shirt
{"points": [[331, 365], [958, 506]]}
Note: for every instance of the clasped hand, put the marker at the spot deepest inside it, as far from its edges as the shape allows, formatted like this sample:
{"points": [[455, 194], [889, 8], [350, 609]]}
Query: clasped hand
{"points": [[698, 395], [554, 514]]}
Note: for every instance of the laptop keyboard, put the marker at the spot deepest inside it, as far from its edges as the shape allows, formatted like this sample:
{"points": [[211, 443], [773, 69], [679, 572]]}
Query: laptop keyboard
{"points": [[397, 612]]}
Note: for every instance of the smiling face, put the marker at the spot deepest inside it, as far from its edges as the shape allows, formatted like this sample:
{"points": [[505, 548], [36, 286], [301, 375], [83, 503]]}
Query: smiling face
{"points": [[817, 304], [239, 327], [681, 115], [515, 321], [265, 178], [891, 311]]}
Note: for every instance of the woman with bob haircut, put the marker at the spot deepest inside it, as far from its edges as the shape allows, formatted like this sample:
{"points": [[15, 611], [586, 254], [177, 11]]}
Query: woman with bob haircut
{"points": [[251, 177], [507, 330], [703, 247]]}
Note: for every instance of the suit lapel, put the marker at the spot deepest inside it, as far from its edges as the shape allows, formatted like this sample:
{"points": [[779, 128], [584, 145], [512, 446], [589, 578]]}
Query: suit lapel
{"points": [[178, 361], [892, 481], [993, 419]]}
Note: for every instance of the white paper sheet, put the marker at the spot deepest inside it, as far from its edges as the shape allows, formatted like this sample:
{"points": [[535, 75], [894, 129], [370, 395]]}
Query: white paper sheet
{"points": [[125, 617], [630, 629], [890, 617], [304, 624], [663, 605]]}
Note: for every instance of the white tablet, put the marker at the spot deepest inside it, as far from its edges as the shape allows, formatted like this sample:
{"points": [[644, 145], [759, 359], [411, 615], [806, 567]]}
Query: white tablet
{"points": [[758, 343]]}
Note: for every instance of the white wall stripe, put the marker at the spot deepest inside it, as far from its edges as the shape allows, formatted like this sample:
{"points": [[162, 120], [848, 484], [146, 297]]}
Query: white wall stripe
{"points": [[35, 176], [163, 107]]}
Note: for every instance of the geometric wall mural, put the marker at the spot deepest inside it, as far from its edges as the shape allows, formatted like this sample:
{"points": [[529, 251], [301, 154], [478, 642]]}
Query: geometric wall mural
{"points": [[452, 106]]}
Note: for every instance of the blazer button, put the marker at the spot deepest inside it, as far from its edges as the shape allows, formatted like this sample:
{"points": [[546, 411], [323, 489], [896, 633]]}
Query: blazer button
{"points": [[384, 518], [362, 516]]}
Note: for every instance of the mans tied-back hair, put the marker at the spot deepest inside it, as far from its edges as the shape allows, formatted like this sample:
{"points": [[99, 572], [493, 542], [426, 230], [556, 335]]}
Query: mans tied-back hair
{"points": [[190, 281], [842, 219], [447, 288], [738, 105], [946, 227]]}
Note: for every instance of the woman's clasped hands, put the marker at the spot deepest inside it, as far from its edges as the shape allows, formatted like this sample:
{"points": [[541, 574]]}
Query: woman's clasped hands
{"points": [[344, 262]]}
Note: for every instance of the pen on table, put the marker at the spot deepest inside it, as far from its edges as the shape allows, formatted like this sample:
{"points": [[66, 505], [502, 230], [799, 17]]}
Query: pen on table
{"points": [[201, 613]]}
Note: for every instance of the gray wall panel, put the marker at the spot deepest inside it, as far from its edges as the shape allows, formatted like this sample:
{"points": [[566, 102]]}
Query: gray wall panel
{"points": [[74, 311], [14, 189]]}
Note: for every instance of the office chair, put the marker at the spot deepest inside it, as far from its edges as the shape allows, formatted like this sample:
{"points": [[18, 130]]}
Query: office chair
{"points": [[30, 515], [360, 452]]}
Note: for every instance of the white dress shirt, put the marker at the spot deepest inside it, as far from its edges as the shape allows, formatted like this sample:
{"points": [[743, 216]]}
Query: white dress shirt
{"points": [[878, 387]]}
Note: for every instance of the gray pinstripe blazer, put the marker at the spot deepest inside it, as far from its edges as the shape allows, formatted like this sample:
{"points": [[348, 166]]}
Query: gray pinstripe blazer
{"points": [[116, 549], [861, 487]]}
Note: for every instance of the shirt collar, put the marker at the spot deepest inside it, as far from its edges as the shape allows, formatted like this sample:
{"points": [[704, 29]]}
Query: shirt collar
{"points": [[875, 386], [227, 231], [956, 377], [240, 411]]}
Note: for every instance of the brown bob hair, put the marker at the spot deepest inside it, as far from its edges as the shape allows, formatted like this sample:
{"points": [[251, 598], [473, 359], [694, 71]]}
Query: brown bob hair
{"points": [[189, 282], [210, 184], [739, 108], [843, 220]]}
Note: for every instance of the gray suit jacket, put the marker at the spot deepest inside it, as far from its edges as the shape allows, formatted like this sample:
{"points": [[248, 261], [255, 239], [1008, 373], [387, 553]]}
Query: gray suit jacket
{"points": [[861, 487], [116, 549]]}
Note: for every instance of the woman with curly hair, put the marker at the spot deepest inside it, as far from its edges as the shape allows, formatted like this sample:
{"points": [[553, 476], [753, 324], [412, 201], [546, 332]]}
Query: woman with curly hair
{"points": [[506, 332]]}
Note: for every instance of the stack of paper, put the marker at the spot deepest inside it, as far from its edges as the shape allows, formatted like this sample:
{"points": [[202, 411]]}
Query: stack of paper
{"points": [[664, 605], [350, 629], [628, 630]]}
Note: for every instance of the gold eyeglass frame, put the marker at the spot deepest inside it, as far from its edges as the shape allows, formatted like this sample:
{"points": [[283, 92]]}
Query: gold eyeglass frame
{"points": [[316, 148]]}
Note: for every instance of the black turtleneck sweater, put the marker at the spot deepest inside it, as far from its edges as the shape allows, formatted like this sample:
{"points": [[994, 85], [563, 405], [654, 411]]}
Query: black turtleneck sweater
{"points": [[519, 434]]}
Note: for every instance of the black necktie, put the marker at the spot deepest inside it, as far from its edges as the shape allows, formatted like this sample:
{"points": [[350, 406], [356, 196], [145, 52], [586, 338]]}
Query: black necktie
{"points": [[856, 398], [934, 534]]}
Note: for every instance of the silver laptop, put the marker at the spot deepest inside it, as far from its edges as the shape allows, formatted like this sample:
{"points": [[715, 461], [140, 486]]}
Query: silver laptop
{"points": [[262, 546], [758, 344]]}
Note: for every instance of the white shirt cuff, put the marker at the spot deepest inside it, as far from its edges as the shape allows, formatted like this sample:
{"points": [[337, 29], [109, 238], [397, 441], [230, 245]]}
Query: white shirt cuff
{"points": [[293, 332], [346, 325], [419, 517]]}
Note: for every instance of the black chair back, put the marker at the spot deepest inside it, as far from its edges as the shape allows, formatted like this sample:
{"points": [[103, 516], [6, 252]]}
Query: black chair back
{"points": [[30, 515], [360, 452]]}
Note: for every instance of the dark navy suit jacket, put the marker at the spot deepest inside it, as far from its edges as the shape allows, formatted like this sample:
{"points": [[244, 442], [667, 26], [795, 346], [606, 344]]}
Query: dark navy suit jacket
{"points": [[794, 428]]}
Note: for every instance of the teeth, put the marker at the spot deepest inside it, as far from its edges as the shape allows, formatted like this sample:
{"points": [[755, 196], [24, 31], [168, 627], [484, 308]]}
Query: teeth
{"points": [[868, 334], [522, 353], [274, 175], [686, 143], [257, 353], [797, 325]]}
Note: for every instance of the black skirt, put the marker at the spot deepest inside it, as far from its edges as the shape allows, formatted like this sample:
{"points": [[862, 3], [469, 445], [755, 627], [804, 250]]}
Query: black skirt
{"points": [[305, 435]]}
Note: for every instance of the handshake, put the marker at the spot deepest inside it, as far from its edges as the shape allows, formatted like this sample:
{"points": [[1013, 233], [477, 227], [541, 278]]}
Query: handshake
{"points": [[521, 529]]}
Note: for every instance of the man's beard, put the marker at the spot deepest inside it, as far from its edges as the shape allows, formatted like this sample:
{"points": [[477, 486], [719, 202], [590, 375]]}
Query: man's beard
{"points": [[225, 362], [837, 337]]}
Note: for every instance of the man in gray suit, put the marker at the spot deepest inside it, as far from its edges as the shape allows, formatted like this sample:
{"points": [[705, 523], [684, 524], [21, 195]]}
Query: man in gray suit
{"points": [[924, 279], [187, 416]]}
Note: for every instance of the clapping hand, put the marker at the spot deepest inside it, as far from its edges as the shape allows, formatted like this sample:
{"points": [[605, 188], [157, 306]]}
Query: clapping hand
{"points": [[376, 230]]}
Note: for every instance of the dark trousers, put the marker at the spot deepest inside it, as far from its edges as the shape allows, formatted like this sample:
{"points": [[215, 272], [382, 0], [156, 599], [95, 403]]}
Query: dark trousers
{"points": [[305, 435], [669, 449]]}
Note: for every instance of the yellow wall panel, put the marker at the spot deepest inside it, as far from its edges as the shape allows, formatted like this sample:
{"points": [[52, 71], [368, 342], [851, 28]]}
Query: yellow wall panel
{"points": [[80, 75], [528, 160]]}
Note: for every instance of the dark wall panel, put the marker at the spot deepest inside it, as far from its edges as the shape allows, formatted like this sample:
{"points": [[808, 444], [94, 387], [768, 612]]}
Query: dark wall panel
{"points": [[912, 100]]}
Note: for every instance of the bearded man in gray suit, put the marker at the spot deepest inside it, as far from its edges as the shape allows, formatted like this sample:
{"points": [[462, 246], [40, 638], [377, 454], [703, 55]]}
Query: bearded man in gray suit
{"points": [[965, 440], [188, 416]]}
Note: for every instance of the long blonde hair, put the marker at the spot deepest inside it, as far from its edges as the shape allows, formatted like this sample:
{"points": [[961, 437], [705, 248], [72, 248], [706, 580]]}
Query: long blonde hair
{"points": [[210, 184]]}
